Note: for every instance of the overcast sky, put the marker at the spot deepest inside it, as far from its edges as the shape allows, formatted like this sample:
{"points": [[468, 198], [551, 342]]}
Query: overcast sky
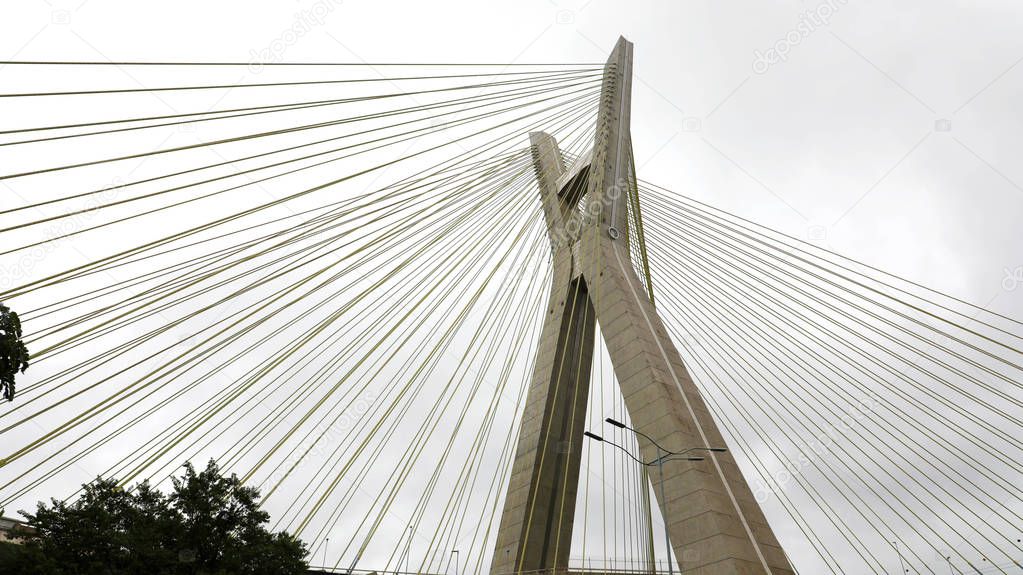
{"points": [[841, 134], [886, 132]]}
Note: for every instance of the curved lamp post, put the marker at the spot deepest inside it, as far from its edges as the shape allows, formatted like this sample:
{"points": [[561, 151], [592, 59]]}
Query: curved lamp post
{"points": [[665, 455]]}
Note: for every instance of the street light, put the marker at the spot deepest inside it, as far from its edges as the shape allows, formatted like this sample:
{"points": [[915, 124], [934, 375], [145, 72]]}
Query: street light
{"points": [[621, 425], [663, 456], [659, 462], [455, 553], [899, 553], [408, 551]]}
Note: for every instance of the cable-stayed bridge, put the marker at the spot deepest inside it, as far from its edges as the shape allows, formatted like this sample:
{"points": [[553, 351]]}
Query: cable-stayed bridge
{"points": [[396, 297]]}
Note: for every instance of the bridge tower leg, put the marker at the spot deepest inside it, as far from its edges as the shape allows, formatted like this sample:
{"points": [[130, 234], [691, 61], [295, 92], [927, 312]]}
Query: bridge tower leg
{"points": [[715, 525]]}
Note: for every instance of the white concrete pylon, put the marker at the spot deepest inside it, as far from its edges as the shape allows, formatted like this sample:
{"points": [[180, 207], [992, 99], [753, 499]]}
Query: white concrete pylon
{"points": [[715, 525]]}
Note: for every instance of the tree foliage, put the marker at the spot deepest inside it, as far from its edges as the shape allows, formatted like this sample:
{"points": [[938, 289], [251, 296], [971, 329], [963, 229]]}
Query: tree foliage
{"points": [[13, 354], [208, 525]]}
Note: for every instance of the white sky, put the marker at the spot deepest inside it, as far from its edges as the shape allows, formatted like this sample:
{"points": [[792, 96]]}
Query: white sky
{"points": [[890, 134]]}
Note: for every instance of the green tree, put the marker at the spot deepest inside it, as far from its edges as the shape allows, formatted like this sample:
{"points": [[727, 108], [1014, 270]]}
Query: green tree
{"points": [[224, 527], [13, 354], [208, 525]]}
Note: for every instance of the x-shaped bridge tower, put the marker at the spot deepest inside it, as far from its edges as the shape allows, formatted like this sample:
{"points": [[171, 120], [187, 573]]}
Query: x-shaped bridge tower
{"points": [[714, 523]]}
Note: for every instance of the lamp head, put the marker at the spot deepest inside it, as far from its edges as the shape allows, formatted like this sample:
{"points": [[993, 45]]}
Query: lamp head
{"points": [[615, 423], [593, 436]]}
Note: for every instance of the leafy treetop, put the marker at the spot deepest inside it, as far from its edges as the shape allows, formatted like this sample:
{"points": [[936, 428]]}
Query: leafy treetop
{"points": [[13, 354], [208, 525]]}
